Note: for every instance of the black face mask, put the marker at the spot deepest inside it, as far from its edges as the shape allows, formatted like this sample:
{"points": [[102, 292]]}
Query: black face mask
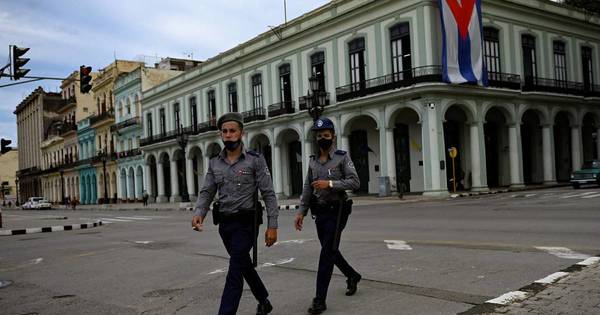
{"points": [[232, 145], [325, 144]]}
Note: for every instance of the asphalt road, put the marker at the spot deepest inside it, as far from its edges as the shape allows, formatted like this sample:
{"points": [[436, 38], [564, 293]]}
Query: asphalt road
{"points": [[432, 257]]}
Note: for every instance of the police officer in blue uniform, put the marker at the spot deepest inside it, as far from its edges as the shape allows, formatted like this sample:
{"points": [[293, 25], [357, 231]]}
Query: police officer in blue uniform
{"points": [[330, 174], [237, 173]]}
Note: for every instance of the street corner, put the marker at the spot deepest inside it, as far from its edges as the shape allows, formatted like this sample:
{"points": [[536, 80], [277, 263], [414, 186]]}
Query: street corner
{"points": [[573, 290], [49, 229]]}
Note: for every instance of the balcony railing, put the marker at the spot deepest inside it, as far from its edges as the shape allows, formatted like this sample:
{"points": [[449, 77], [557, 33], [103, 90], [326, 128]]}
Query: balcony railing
{"points": [[389, 82], [209, 125], [68, 126], [254, 115], [592, 90], [534, 84], [126, 123], [303, 103], [161, 137], [102, 116], [281, 108], [504, 80], [129, 153]]}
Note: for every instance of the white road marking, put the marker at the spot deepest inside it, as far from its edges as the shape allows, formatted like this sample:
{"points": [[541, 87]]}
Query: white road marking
{"points": [[529, 195], [591, 196], [398, 245], [35, 261], [133, 218], [509, 297], [113, 219], [552, 278], [578, 195], [563, 252], [143, 242], [589, 261], [300, 241], [222, 270], [264, 265]]}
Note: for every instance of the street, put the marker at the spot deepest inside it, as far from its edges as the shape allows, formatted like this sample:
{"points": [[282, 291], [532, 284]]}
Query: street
{"points": [[427, 257]]}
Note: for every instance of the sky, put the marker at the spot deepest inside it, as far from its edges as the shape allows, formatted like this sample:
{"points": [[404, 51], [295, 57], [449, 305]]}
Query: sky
{"points": [[64, 34]]}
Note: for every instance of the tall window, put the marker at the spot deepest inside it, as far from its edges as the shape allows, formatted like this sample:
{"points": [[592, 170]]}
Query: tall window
{"points": [[212, 104], [177, 116], [317, 62], [529, 60], [193, 112], [232, 97], [356, 50], [400, 51], [163, 121], [128, 107], [149, 120], [588, 69], [491, 51], [285, 87], [257, 91], [560, 63]]}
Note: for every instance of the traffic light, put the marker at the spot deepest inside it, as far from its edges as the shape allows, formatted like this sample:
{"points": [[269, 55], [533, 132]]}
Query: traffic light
{"points": [[4, 145], [16, 62], [85, 79]]}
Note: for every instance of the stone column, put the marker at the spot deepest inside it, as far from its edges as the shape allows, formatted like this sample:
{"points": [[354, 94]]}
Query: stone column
{"points": [[175, 197], [516, 155], [277, 171], [576, 147], [138, 184], [148, 183], [345, 143], [307, 152], [160, 183], [384, 178], [119, 186], [478, 158], [548, 155], [433, 152], [192, 190]]}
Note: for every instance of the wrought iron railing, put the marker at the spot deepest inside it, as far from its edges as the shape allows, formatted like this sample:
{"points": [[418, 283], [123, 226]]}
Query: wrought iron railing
{"points": [[129, 153], [254, 115], [108, 114], [504, 80], [209, 125], [535, 84], [281, 108], [125, 123]]}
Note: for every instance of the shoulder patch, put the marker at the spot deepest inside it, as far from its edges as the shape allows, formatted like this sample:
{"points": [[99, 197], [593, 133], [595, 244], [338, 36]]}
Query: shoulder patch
{"points": [[253, 153], [340, 152]]}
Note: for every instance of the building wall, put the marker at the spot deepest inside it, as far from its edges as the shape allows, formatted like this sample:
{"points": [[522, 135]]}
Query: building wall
{"points": [[10, 164]]}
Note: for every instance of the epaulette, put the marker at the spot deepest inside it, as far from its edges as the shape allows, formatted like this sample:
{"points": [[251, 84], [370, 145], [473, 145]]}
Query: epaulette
{"points": [[253, 153], [340, 152]]}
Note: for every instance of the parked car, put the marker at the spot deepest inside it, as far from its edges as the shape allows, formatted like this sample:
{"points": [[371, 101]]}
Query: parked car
{"points": [[589, 174], [36, 203]]}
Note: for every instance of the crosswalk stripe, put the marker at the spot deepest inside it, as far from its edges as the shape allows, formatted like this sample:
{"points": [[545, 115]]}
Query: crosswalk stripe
{"points": [[591, 196], [133, 218], [578, 195], [113, 219]]}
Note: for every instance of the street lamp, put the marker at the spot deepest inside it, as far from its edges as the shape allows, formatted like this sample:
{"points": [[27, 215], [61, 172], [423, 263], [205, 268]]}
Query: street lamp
{"points": [[182, 140], [62, 186], [103, 158], [316, 98]]}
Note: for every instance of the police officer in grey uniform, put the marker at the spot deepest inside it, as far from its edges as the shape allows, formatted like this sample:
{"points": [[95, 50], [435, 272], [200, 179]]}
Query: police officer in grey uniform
{"points": [[237, 173], [330, 174]]}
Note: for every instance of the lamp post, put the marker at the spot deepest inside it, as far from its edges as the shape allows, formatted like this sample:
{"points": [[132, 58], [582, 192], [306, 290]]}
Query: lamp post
{"points": [[182, 140], [103, 157], [316, 98], [62, 187]]}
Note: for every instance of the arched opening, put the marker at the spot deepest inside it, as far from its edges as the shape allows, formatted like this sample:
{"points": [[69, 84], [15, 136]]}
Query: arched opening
{"points": [[113, 185], [197, 170], [532, 148], [152, 184], [456, 135], [589, 134], [179, 158], [123, 185], [364, 151], [166, 168], [260, 143], [291, 162], [139, 182], [496, 148], [408, 151], [213, 150], [562, 146], [130, 185]]}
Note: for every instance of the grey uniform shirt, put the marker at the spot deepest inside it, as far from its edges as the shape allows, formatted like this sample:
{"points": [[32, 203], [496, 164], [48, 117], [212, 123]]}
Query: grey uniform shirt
{"points": [[237, 183], [339, 169]]}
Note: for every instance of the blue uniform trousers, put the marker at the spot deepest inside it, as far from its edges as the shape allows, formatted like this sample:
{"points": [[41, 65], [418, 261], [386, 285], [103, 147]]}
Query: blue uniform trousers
{"points": [[237, 235], [326, 226]]}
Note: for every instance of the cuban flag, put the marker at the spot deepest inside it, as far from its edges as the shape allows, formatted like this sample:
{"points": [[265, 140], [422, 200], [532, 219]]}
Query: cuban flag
{"points": [[462, 34]]}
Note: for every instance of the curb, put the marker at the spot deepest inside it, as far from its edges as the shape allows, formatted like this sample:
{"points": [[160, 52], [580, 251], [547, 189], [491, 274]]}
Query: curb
{"points": [[49, 229], [530, 290], [501, 191]]}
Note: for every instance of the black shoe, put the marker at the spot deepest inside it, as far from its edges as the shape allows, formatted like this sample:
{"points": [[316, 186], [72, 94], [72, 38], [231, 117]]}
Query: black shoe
{"points": [[318, 306], [264, 308], [352, 285]]}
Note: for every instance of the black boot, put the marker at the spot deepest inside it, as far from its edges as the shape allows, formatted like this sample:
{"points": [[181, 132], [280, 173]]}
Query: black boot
{"points": [[318, 306], [352, 284], [264, 308]]}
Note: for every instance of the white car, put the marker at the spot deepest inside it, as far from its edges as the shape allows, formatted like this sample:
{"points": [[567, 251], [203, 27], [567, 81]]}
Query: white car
{"points": [[37, 203]]}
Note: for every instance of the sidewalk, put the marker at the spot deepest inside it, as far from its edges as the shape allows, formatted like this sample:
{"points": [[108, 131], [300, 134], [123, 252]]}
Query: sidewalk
{"points": [[574, 290]]}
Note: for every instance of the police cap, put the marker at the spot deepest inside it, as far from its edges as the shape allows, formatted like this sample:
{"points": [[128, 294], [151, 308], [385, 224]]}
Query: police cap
{"points": [[323, 124], [237, 117]]}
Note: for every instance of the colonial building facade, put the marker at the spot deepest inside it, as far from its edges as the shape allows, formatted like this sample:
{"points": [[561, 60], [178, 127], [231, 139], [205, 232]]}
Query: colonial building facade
{"points": [[380, 64]]}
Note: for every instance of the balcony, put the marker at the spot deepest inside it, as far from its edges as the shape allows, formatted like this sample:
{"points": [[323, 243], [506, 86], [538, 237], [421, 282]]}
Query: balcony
{"points": [[504, 80], [102, 116], [129, 153], [162, 137], [303, 101], [126, 123], [209, 125], [389, 82], [254, 115], [534, 84], [281, 108], [67, 127], [592, 91]]}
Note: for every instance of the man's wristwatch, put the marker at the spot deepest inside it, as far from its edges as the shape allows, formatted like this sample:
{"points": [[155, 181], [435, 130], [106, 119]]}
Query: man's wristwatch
{"points": [[330, 184]]}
